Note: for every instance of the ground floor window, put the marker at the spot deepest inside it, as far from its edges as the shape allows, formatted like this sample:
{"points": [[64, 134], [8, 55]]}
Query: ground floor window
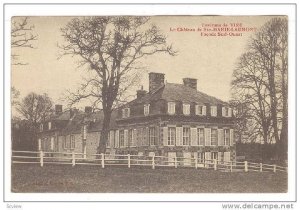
{"points": [[121, 138], [171, 136], [152, 136], [214, 137], [186, 136]]}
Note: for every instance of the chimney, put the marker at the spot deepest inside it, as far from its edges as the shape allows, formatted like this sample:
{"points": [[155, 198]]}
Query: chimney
{"points": [[141, 93], [88, 109], [58, 109], [190, 82], [156, 80]]}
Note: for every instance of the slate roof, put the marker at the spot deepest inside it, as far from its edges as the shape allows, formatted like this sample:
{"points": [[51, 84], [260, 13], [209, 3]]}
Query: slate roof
{"points": [[178, 92]]}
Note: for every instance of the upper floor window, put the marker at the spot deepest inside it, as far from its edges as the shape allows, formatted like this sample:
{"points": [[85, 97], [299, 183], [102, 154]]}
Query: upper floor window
{"points": [[200, 110], [213, 111], [171, 107], [214, 137], [49, 125], [186, 136], [186, 109], [171, 136], [146, 109], [226, 112], [125, 112]]}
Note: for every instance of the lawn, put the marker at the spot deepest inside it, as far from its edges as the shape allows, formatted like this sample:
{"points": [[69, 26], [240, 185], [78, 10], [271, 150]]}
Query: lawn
{"points": [[93, 179]]}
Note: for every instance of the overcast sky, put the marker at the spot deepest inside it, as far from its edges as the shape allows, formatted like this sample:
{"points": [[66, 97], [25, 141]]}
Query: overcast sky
{"points": [[211, 60]]}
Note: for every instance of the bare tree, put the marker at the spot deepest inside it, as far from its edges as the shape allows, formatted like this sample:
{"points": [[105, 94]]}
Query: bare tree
{"points": [[35, 108], [22, 36], [265, 66], [111, 48]]}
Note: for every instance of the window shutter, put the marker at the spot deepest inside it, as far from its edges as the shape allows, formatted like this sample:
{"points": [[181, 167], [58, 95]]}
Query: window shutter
{"points": [[229, 112], [207, 136], [139, 137], [203, 110], [194, 139], [165, 136], [147, 143], [223, 112], [117, 139], [231, 137], [220, 137], [219, 156], [179, 136], [197, 110], [111, 138], [39, 144], [52, 143], [125, 138], [226, 156], [134, 136]]}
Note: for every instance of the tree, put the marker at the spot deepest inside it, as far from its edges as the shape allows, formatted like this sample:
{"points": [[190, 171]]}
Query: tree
{"points": [[262, 76], [35, 108], [111, 48], [22, 36]]}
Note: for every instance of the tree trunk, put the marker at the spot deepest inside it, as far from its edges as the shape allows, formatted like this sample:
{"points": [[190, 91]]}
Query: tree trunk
{"points": [[104, 132]]}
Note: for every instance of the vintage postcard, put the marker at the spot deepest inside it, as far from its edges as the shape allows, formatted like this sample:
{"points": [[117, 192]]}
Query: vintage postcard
{"points": [[150, 104]]}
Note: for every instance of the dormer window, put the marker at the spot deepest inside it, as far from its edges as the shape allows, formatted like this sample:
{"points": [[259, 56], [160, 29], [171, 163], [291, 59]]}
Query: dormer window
{"points": [[200, 110], [186, 109], [49, 125], [226, 112], [146, 109], [213, 111], [171, 107], [125, 112]]}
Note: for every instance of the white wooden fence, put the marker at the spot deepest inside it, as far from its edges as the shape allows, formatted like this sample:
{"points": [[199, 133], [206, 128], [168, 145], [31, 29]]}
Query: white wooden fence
{"points": [[42, 158]]}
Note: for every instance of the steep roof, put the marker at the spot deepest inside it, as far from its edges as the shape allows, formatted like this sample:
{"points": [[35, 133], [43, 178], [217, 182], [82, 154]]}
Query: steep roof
{"points": [[178, 92]]}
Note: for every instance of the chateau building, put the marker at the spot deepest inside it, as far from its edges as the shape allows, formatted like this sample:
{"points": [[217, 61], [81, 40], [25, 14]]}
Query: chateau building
{"points": [[169, 120]]}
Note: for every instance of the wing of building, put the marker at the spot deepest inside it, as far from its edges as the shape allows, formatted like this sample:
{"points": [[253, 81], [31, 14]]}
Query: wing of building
{"points": [[169, 120]]}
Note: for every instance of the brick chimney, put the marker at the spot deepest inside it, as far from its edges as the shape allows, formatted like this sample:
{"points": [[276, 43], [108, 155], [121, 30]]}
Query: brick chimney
{"points": [[141, 93], [190, 82], [156, 80], [88, 109], [58, 109]]}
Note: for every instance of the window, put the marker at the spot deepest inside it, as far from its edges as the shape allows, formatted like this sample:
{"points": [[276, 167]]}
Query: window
{"points": [[186, 136], [186, 109], [125, 112], [213, 111], [200, 110], [152, 136], [214, 137], [214, 155], [130, 137], [200, 136], [49, 126], [146, 109], [171, 107], [226, 137], [201, 157], [171, 136], [226, 112], [121, 138]]}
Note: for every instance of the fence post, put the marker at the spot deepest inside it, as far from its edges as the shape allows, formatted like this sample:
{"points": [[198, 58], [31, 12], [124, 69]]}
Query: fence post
{"points": [[230, 166], [246, 166], [215, 164], [153, 162], [196, 162], [175, 162], [274, 168], [261, 167], [41, 158], [73, 159], [128, 160], [102, 160]]}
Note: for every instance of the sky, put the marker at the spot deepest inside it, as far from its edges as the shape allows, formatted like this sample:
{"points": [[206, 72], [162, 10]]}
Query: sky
{"points": [[209, 59]]}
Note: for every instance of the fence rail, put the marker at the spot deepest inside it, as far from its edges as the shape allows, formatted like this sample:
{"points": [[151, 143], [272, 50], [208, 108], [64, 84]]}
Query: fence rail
{"points": [[41, 158]]}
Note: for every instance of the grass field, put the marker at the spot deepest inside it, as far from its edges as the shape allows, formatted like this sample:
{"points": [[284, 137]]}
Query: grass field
{"points": [[64, 178]]}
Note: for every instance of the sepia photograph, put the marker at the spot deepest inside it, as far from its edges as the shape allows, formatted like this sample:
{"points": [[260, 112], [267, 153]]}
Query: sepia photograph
{"points": [[149, 104]]}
